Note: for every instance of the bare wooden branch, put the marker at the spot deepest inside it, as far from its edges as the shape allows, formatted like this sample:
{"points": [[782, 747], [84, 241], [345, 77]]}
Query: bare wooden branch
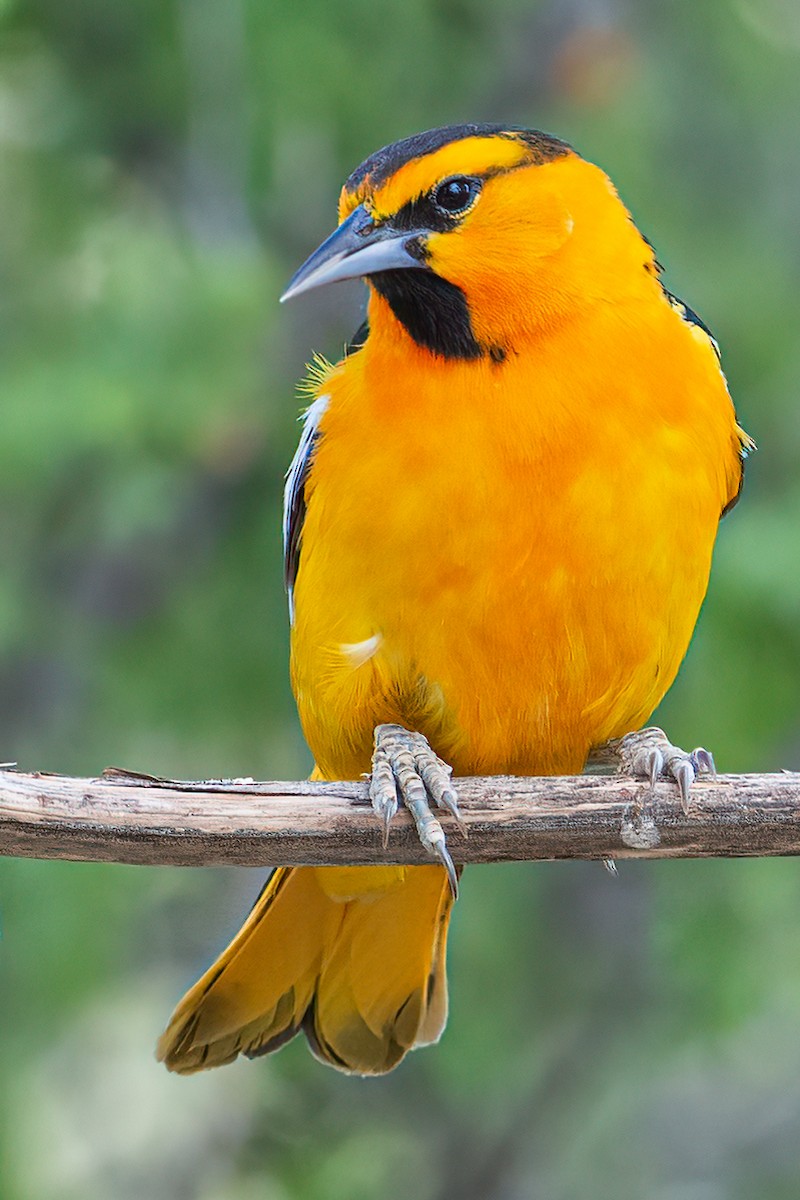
{"points": [[129, 818]]}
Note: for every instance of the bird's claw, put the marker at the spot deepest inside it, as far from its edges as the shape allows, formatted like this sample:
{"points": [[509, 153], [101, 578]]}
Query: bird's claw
{"points": [[404, 767], [383, 790], [649, 754], [436, 844]]}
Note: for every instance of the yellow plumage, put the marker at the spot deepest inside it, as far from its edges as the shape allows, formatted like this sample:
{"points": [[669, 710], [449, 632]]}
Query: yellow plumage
{"points": [[355, 942], [509, 508]]}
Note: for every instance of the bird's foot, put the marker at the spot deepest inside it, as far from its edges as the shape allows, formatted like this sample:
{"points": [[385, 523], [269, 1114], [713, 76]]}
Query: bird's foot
{"points": [[404, 767], [649, 754]]}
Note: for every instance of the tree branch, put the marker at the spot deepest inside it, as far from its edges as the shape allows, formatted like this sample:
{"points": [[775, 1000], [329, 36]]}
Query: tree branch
{"points": [[129, 818]]}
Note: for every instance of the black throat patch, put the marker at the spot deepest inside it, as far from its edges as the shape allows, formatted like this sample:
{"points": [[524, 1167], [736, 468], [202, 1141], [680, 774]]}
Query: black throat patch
{"points": [[433, 311]]}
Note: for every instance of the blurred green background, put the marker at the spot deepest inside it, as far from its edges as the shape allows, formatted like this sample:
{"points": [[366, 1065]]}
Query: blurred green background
{"points": [[164, 167]]}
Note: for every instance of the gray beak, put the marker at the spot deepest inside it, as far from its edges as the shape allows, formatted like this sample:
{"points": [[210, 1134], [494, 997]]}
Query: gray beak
{"points": [[357, 248]]}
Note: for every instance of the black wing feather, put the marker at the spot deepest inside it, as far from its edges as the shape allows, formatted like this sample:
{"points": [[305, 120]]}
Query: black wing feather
{"points": [[294, 496]]}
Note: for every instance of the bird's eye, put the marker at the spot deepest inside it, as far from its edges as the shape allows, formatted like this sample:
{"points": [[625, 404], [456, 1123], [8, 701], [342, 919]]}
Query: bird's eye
{"points": [[456, 194]]}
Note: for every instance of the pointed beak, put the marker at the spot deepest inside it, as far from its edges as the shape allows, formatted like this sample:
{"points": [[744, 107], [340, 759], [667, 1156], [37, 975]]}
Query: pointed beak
{"points": [[357, 248]]}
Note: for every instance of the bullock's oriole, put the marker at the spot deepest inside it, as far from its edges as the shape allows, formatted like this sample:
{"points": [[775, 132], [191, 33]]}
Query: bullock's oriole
{"points": [[499, 527]]}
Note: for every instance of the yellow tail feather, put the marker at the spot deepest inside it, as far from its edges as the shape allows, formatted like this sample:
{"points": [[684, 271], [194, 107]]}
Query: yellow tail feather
{"points": [[355, 956]]}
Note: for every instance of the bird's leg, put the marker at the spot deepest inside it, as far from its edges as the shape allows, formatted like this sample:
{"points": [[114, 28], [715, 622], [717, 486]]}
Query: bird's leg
{"points": [[649, 754], [404, 767]]}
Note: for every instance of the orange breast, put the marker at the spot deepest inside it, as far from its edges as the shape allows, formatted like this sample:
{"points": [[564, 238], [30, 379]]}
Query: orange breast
{"points": [[509, 557]]}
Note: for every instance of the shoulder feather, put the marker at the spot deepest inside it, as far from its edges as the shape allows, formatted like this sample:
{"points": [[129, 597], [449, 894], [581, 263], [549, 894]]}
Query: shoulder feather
{"points": [[294, 501]]}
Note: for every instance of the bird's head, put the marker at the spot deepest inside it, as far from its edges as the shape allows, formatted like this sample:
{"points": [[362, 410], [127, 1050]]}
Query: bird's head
{"points": [[475, 237]]}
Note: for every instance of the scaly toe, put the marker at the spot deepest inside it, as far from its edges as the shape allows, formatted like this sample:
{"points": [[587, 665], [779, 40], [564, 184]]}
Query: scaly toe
{"points": [[649, 754], [435, 774], [405, 767], [383, 791], [703, 762]]}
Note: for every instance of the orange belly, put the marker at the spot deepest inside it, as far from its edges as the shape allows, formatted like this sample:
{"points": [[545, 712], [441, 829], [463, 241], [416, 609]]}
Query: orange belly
{"points": [[510, 559]]}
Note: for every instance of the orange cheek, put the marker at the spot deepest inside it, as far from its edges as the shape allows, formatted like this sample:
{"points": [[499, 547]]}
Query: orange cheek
{"points": [[501, 263]]}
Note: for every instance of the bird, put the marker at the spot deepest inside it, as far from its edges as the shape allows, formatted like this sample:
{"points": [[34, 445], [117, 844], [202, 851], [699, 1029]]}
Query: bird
{"points": [[498, 534]]}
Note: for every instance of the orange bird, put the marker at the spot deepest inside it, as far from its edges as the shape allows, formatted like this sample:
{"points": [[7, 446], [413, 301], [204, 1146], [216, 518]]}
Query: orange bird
{"points": [[499, 527]]}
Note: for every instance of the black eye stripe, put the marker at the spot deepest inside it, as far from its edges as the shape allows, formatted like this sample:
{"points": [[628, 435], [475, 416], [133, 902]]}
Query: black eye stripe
{"points": [[422, 214], [425, 212]]}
